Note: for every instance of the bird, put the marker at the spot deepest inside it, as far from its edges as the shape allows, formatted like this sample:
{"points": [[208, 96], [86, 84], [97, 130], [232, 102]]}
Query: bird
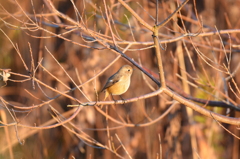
{"points": [[118, 83]]}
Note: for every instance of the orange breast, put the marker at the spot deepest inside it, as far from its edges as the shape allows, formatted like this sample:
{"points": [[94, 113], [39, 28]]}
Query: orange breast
{"points": [[119, 88]]}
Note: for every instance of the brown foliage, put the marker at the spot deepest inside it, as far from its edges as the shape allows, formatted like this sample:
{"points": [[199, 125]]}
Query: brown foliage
{"points": [[60, 54]]}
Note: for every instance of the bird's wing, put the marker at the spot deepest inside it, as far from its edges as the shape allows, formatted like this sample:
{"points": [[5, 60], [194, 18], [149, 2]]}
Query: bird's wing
{"points": [[112, 80]]}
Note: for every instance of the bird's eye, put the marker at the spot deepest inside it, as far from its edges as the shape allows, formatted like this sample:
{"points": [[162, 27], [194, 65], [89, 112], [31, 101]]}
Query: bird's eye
{"points": [[128, 70]]}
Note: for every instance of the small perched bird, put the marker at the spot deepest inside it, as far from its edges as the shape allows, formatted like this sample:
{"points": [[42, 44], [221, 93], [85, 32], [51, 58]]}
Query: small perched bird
{"points": [[119, 82]]}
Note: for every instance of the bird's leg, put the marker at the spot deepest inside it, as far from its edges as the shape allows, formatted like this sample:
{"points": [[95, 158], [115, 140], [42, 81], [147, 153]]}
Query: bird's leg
{"points": [[122, 99], [113, 99]]}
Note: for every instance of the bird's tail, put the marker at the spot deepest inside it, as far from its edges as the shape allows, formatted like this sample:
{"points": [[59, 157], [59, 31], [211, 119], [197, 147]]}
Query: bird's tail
{"points": [[106, 94]]}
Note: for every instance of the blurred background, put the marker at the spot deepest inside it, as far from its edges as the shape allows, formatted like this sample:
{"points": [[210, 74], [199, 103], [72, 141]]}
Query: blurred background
{"points": [[53, 46]]}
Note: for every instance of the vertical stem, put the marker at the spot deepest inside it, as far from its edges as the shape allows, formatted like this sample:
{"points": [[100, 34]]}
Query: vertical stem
{"points": [[159, 57]]}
